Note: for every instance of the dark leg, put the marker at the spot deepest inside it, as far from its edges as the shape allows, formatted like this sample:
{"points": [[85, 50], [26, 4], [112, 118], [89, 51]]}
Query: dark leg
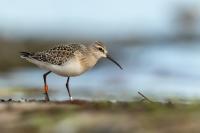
{"points": [[46, 86], [67, 85]]}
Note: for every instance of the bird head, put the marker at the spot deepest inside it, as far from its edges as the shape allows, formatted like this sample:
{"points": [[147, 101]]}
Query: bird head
{"points": [[99, 51]]}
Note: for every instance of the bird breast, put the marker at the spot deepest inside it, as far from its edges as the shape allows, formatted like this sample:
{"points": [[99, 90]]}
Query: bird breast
{"points": [[74, 67], [86, 59]]}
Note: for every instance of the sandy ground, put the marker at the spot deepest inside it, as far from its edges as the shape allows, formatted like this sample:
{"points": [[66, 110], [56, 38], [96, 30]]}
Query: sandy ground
{"points": [[104, 116]]}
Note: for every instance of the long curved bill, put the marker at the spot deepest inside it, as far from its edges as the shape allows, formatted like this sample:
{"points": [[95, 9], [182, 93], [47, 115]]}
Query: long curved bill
{"points": [[108, 57]]}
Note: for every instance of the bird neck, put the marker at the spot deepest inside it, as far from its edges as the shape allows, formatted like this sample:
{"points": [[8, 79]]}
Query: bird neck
{"points": [[92, 52], [87, 62], [87, 59]]}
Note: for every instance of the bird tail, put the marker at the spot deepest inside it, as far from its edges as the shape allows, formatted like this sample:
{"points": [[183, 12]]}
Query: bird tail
{"points": [[25, 54]]}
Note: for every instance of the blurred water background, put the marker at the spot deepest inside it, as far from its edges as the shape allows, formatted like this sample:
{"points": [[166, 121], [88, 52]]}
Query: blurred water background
{"points": [[157, 43]]}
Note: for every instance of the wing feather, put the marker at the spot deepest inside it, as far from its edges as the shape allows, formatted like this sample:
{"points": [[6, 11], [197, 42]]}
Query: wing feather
{"points": [[58, 55]]}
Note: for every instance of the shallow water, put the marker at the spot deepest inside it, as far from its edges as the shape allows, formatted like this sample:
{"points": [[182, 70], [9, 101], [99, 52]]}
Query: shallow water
{"points": [[161, 71]]}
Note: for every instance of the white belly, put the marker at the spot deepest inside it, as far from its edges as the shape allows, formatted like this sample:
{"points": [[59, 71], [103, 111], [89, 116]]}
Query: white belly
{"points": [[70, 68]]}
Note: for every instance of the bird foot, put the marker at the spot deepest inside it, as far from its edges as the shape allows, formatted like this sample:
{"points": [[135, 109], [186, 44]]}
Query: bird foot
{"points": [[71, 99], [46, 97]]}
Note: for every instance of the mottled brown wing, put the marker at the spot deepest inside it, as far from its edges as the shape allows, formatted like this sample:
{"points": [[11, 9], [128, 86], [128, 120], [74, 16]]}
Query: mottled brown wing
{"points": [[57, 55]]}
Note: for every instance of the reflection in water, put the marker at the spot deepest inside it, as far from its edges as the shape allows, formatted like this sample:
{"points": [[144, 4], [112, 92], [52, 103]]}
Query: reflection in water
{"points": [[162, 71]]}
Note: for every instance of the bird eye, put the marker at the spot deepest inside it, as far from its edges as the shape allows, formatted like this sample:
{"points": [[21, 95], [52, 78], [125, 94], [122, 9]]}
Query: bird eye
{"points": [[101, 49]]}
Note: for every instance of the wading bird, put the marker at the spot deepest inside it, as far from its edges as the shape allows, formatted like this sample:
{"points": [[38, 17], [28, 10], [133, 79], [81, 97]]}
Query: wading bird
{"points": [[68, 60]]}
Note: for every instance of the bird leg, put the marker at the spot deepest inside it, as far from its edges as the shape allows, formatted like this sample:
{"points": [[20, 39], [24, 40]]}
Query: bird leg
{"points": [[46, 86], [67, 86]]}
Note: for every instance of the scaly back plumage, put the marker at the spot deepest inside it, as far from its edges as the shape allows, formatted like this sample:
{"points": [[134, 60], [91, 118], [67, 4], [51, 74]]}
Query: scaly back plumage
{"points": [[60, 54]]}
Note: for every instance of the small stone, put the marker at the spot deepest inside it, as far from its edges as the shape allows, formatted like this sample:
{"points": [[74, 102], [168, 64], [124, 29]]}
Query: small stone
{"points": [[9, 100], [2, 100]]}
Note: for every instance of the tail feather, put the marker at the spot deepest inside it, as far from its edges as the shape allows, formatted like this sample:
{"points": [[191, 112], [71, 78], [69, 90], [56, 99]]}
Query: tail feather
{"points": [[25, 54]]}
